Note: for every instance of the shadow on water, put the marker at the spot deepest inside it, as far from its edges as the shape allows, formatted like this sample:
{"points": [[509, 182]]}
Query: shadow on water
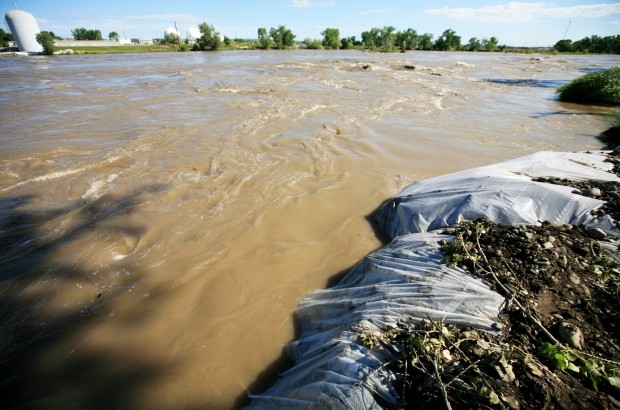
{"points": [[38, 371], [272, 373], [283, 363], [527, 82]]}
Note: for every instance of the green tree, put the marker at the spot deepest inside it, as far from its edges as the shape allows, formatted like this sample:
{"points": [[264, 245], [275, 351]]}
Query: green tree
{"points": [[263, 38], [312, 44], [387, 38], [79, 33], [564, 46], [5, 38], [425, 41], [371, 38], [170, 38], [490, 44], [348, 42], [209, 40], [46, 39], [474, 44], [596, 44], [282, 37], [277, 37], [84, 34], [226, 41], [448, 41], [406, 40], [113, 36], [331, 38]]}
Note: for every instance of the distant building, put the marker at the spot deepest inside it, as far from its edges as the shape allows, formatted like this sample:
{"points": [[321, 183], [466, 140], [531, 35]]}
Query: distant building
{"points": [[142, 41]]}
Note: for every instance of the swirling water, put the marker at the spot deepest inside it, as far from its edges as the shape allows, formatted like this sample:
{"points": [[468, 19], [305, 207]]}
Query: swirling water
{"points": [[161, 215]]}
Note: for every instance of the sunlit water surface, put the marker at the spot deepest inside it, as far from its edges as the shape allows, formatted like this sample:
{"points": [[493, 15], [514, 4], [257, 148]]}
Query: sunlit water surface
{"points": [[162, 215]]}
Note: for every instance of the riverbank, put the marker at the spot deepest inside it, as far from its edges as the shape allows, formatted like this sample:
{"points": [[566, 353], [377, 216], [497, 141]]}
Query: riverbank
{"points": [[153, 48], [396, 330]]}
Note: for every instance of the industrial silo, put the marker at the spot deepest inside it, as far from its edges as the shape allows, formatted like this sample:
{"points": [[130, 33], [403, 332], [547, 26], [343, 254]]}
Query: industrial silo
{"points": [[24, 28]]}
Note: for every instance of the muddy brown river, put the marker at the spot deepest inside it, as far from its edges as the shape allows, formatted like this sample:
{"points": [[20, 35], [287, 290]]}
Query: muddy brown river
{"points": [[162, 215]]}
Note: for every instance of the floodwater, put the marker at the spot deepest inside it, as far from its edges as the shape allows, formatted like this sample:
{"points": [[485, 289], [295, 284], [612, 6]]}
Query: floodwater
{"points": [[162, 215]]}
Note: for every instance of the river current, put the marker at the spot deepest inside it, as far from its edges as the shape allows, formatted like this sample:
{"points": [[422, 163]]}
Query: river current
{"points": [[162, 215]]}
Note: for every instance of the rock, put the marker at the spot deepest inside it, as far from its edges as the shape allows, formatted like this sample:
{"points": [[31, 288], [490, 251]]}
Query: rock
{"points": [[471, 335], [571, 335], [593, 192], [616, 150], [596, 233], [551, 239], [574, 279], [542, 262], [547, 245]]}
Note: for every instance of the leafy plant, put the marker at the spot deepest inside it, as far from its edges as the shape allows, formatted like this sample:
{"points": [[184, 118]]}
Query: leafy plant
{"points": [[580, 366], [600, 87]]}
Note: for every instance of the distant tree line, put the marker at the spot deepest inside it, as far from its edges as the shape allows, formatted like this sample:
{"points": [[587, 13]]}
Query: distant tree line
{"points": [[84, 34], [592, 44], [384, 39], [279, 38], [389, 39], [5, 38]]}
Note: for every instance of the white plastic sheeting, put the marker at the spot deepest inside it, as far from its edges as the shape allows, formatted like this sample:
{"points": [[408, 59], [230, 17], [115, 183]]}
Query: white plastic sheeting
{"points": [[402, 283], [502, 193], [405, 282]]}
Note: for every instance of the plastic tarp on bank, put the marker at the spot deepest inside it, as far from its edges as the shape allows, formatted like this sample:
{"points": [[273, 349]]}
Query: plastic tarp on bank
{"points": [[404, 282], [502, 193]]}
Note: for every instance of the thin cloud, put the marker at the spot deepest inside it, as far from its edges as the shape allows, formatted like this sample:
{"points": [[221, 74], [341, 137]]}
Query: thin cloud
{"points": [[375, 11], [524, 12], [302, 4], [165, 17]]}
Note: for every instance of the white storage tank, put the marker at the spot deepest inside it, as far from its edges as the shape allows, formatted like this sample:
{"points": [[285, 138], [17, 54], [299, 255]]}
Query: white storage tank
{"points": [[24, 28], [193, 33]]}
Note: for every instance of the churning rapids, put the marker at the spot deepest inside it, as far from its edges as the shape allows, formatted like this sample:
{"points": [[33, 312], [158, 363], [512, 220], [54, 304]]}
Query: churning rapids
{"points": [[162, 215]]}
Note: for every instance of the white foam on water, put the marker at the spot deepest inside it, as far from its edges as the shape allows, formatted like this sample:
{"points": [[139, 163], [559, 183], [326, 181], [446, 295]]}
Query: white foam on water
{"points": [[94, 191]]}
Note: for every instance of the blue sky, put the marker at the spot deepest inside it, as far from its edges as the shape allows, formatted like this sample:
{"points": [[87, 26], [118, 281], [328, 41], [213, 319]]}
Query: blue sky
{"points": [[526, 23]]}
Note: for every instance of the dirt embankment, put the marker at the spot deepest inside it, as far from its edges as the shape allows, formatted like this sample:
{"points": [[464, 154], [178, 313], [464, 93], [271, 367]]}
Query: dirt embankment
{"points": [[560, 342]]}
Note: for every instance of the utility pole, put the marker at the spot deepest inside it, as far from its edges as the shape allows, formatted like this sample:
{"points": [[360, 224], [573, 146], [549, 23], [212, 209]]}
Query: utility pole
{"points": [[566, 31], [176, 32]]}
